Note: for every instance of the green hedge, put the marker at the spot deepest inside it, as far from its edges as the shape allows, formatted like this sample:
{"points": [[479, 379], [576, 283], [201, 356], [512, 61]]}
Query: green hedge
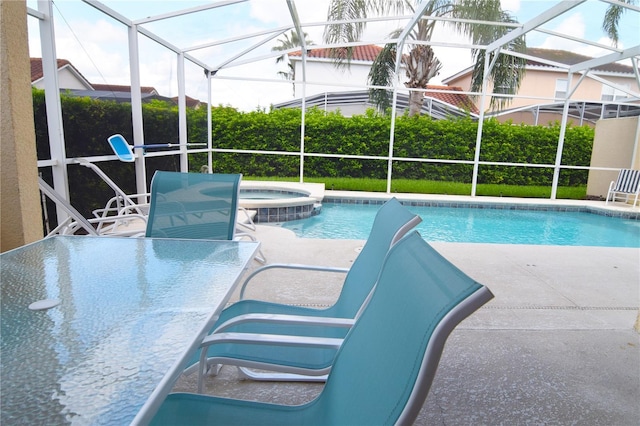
{"points": [[414, 137], [88, 123]]}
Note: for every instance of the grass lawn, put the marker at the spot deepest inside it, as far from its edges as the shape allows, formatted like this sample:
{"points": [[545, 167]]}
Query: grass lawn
{"points": [[437, 187]]}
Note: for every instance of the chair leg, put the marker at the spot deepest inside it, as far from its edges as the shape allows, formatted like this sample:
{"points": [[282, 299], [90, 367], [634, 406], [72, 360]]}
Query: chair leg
{"points": [[260, 258]]}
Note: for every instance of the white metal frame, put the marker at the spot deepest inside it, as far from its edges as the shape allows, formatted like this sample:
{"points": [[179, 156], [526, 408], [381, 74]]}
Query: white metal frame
{"points": [[59, 161]]}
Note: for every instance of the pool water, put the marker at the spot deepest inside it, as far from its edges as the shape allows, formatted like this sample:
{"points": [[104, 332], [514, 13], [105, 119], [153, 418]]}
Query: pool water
{"points": [[475, 225]]}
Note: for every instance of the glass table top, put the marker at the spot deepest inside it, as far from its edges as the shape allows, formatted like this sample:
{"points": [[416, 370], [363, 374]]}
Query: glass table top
{"points": [[129, 311]]}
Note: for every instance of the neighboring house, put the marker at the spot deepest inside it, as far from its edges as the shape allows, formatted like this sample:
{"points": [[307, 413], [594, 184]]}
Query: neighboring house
{"points": [[190, 102], [68, 76], [70, 80], [332, 88], [545, 87]]}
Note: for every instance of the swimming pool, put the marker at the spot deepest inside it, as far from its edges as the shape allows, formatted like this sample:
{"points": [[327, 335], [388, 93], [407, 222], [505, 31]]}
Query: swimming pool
{"points": [[479, 225]]}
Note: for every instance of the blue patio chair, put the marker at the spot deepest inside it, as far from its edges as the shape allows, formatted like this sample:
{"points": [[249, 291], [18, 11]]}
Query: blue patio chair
{"points": [[193, 205], [391, 223], [385, 366]]}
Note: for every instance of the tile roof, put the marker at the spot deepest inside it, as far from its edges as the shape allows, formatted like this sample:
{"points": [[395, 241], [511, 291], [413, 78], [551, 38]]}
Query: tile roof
{"points": [[571, 58], [460, 100], [189, 101], [36, 68], [121, 88], [366, 53]]}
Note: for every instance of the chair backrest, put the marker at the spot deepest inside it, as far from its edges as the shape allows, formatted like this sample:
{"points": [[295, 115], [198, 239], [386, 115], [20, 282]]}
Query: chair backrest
{"points": [[193, 205], [385, 367], [121, 148], [628, 181], [126, 199], [391, 223]]}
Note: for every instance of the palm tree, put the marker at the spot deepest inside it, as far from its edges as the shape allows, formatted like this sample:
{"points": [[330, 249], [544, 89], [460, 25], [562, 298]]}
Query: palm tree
{"points": [[421, 64], [289, 41], [612, 18]]}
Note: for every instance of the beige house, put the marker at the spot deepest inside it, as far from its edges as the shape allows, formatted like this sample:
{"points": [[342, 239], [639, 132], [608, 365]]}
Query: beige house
{"points": [[546, 83]]}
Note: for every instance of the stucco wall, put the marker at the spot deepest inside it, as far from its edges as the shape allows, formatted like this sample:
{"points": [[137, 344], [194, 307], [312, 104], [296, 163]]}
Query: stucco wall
{"points": [[615, 144], [66, 80], [20, 211], [544, 119], [542, 84], [325, 73]]}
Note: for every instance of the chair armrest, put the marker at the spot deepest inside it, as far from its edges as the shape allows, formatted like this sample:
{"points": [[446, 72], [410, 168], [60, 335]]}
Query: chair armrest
{"points": [[286, 319], [258, 339], [66, 227], [110, 223], [269, 339], [289, 266]]}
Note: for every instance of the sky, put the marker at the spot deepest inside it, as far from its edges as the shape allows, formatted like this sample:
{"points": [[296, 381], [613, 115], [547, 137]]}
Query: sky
{"points": [[97, 45]]}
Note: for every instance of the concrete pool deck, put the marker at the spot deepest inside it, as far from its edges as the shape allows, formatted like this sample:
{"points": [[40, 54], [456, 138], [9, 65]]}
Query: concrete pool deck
{"points": [[557, 345]]}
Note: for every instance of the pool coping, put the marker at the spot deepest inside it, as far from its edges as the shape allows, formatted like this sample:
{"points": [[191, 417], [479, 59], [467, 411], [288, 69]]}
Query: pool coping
{"points": [[618, 210], [314, 190]]}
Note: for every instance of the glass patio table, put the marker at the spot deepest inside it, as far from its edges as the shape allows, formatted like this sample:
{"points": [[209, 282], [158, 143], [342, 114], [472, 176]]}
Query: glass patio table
{"points": [[127, 312]]}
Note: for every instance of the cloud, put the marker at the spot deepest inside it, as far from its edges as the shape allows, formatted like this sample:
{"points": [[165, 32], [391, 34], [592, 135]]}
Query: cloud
{"points": [[575, 26], [98, 49], [512, 6], [276, 13], [98, 46], [270, 12]]}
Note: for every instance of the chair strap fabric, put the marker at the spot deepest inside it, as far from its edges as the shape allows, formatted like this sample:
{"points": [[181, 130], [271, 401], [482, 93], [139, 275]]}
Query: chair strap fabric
{"points": [[628, 181]]}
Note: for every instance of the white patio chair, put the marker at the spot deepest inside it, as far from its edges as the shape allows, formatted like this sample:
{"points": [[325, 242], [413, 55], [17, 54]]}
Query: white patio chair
{"points": [[113, 225], [627, 184]]}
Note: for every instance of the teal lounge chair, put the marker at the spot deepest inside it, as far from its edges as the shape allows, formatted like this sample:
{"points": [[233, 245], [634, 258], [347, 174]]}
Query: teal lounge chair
{"points": [[385, 366], [392, 221]]}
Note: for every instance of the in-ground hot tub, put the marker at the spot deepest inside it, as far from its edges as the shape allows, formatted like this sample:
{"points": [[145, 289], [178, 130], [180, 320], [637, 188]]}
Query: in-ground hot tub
{"points": [[279, 201]]}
